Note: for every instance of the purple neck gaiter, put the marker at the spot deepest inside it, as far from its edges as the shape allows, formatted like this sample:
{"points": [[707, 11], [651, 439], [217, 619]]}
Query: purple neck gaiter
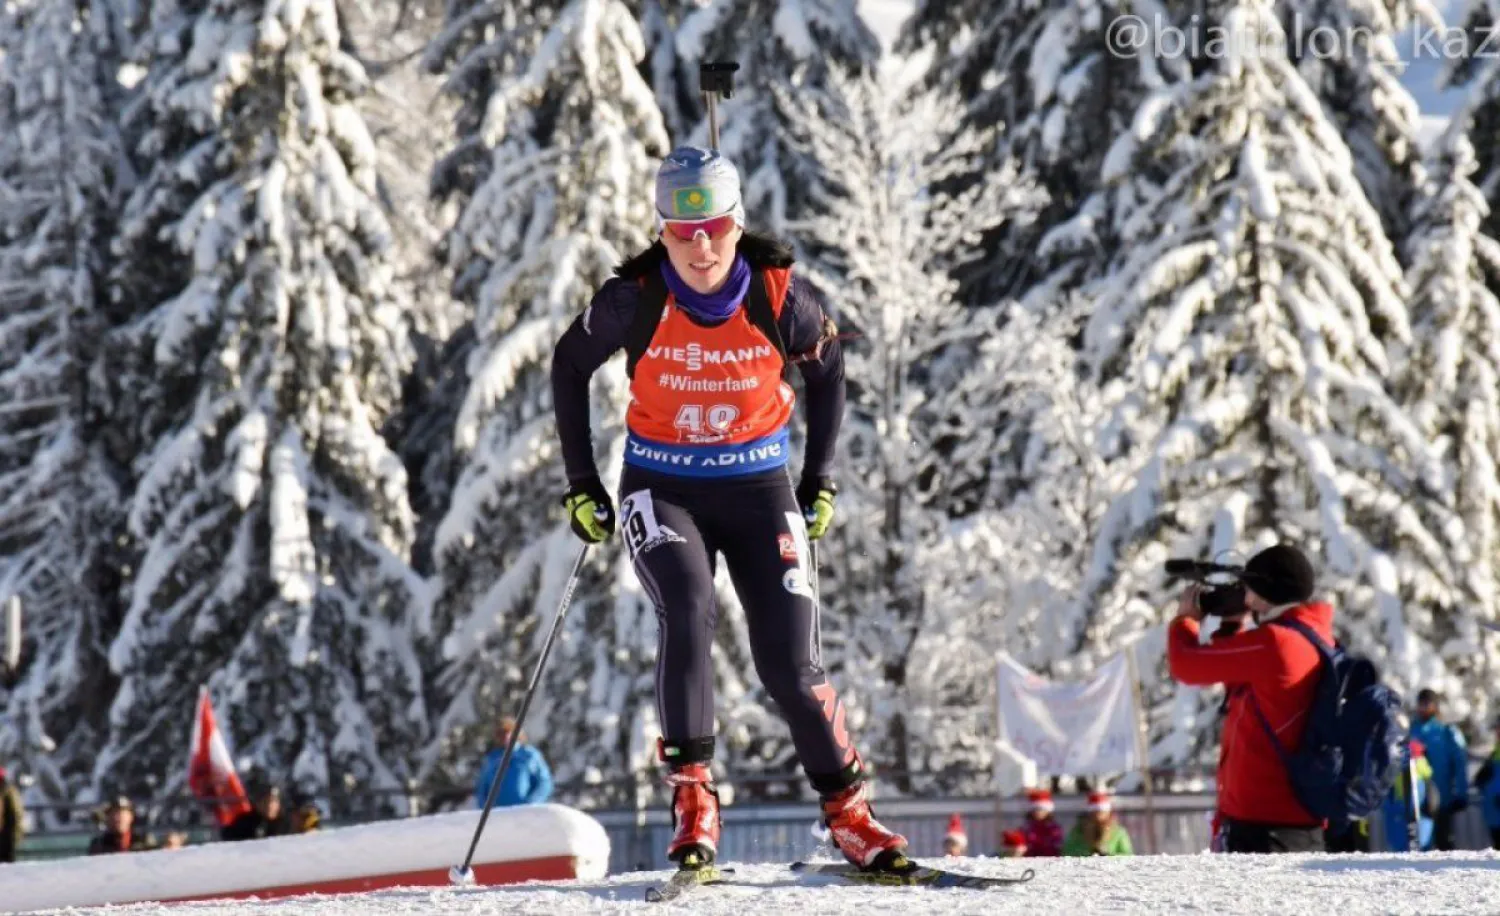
{"points": [[710, 308]]}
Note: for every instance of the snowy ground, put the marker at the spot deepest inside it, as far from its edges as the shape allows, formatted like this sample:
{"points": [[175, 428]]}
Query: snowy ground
{"points": [[1215, 885]]}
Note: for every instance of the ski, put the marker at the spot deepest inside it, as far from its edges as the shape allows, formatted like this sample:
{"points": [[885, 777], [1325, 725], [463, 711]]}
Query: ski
{"points": [[915, 876], [684, 880]]}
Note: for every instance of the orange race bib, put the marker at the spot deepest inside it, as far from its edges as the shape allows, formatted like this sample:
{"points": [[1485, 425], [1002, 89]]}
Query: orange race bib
{"points": [[708, 402]]}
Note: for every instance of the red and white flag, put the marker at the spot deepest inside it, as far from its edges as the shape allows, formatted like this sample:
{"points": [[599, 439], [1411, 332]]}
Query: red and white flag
{"points": [[211, 775]]}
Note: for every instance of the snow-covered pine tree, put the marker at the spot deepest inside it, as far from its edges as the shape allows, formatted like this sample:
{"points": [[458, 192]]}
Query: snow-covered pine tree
{"points": [[1243, 352], [1024, 505], [887, 245], [1039, 479], [405, 108], [58, 502], [558, 142], [1066, 84], [676, 89], [785, 44], [1347, 54], [1450, 383], [1477, 70], [270, 518]]}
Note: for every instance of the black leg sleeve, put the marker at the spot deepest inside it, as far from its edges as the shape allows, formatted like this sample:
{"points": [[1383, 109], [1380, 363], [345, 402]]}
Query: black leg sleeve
{"points": [[766, 550], [673, 565]]}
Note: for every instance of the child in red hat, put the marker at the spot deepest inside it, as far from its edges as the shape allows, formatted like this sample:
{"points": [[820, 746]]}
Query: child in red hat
{"points": [[1013, 844], [955, 841], [1044, 835], [1098, 832]]}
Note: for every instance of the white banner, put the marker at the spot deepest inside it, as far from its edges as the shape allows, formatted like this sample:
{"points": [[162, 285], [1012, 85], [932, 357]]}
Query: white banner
{"points": [[1072, 729]]}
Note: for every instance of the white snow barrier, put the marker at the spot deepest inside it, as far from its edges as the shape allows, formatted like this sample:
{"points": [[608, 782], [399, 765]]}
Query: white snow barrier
{"points": [[532, 842]]}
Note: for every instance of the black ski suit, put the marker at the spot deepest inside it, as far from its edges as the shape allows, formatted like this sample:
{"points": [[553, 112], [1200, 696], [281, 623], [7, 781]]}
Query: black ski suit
{"points": [[675, 526]]}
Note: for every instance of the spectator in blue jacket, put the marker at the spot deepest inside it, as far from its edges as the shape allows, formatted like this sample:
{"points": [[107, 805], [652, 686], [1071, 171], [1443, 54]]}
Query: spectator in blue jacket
{"points": [[1488, 781], [1398, 811], [1450, 765], [528, 781]]}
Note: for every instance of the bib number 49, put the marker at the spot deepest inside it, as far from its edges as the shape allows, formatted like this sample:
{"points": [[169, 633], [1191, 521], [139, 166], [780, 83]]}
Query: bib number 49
{"points": [[695, 420]]}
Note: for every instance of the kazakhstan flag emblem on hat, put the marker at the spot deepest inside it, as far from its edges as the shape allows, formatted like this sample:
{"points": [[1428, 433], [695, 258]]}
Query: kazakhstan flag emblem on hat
{"points": [[694, 184], [692, 202]]}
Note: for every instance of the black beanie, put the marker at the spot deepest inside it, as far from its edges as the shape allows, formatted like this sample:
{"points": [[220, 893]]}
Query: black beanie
{"points": [[1280, 574]]}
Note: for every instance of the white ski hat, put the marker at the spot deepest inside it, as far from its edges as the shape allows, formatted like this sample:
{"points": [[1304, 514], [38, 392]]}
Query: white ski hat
{"points": [[695, 183]]}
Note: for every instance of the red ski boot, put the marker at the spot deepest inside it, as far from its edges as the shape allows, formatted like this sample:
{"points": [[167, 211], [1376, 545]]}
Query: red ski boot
{"points": [[862, 839], [695, 813]]}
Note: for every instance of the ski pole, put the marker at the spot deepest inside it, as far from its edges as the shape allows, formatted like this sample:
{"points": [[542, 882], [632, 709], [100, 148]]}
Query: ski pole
{"points": [[462, 874], [715, 78], [1413, 824], [817, 597], [12, 665]]}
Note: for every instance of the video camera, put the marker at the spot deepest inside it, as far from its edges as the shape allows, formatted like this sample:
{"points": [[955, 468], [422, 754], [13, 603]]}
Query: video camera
{"points": [[1224, 595]]}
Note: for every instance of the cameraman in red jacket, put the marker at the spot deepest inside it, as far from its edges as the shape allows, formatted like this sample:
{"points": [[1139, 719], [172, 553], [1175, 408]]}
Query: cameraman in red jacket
{"points": [[1270, 667]]}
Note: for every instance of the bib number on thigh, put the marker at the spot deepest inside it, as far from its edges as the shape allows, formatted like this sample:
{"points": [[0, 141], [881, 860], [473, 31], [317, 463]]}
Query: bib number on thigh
{"points": [[643, 532]]}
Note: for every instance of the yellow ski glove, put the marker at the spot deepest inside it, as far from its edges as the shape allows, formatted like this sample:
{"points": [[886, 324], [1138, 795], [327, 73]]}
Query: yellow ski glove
{"points": [[816, 497], [590, 511]]}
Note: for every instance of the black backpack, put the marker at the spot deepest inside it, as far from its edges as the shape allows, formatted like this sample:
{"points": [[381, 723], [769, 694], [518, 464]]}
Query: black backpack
{"points": [[1350, 755]]}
